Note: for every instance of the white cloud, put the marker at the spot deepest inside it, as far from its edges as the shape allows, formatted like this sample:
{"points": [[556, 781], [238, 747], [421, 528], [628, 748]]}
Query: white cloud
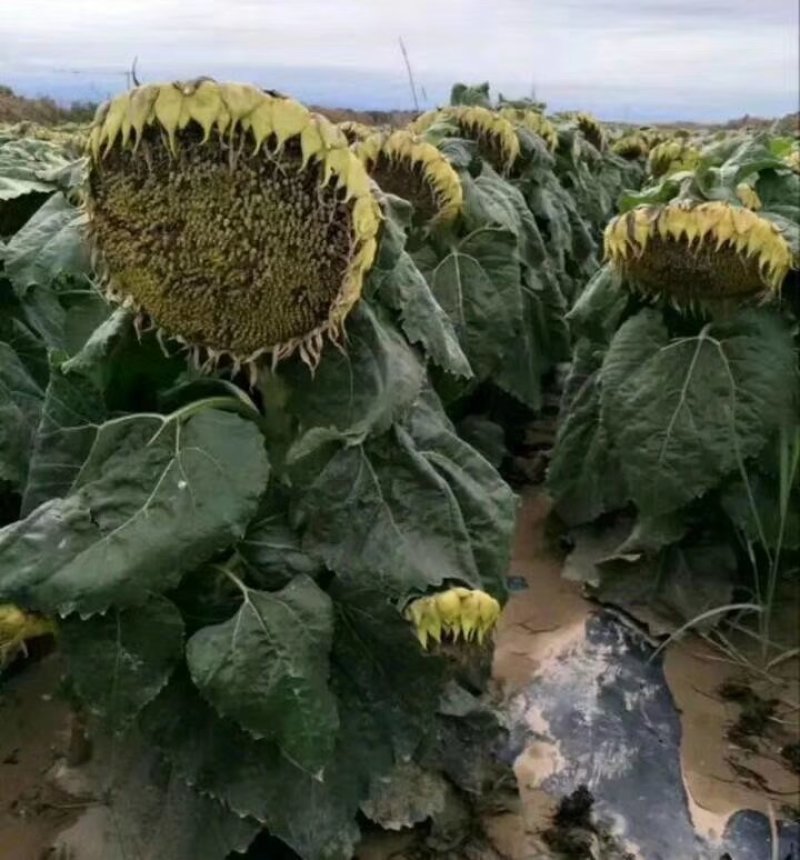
{"points": [[684, 51]]}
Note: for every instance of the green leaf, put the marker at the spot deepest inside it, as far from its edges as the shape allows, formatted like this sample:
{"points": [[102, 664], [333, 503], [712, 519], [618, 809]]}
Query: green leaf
{"points": [[478, 285], [755, 509], [150, 811], [120, 661], [20, 406], [542, 342], [422, 319], [49, 246], [584, 476], [72, 413], [315, 817], [487, 504], [267, 669], [272, 550], [598, 311], [489, 200], [380, 510], [360, 391], [686, 413], [156, 497]]}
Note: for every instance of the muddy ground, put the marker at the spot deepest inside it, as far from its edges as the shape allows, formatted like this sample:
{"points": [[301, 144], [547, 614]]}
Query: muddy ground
{"points": [[675, 755]]}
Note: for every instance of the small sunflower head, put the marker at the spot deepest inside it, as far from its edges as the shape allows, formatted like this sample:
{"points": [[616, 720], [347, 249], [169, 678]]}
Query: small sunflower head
{"points": [[670, 156], [592, 130], [16, 628], [793, 160], [533, 121], [406, 165], [355, 131], [494, 134], [632, 146], [235, 220], [457, 613], [698, 253]]}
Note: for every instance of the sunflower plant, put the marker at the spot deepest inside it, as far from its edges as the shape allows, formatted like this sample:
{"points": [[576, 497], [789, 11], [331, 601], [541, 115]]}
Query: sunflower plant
{"points": [[227, 481]]}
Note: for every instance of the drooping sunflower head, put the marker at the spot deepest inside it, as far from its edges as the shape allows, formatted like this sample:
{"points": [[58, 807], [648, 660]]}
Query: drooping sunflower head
{"points": [[698, 253], [632, 146], [534, 121], [404, 164], [793, 160], [16, 628], [355, 131], [234, 220], [670, 156], [464, 613], [494, 134], [592, 130]]}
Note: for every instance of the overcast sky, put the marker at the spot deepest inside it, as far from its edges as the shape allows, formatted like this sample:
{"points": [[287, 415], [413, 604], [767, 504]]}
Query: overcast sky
{"points": [[637, 59]]}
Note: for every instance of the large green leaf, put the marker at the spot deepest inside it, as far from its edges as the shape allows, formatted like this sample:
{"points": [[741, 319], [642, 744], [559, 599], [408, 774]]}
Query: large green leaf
{"points": [[489, 200], [156, 496], [51, 245], [120, 661], [315, 817], [543, 340], [584, 476], [486, 503], [271, 550], [686, 413], [360, 391], [72, 413], [478, 285], [422, 319], [20, 406], [380, 511], [267, 669], [152, 812]]}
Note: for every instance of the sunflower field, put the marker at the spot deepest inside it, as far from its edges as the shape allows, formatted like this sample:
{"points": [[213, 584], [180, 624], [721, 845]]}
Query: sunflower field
{"points": [[262, 377]]}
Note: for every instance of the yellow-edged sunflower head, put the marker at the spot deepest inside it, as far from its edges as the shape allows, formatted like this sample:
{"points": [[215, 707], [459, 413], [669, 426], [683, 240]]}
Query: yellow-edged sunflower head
{"points": [[592, 130], [497, 141], [632, 146], [17, 627], [355, 131], [234, 220], [534, 121], [456, 613], [698, 253], [671, 156], [405, 164]]}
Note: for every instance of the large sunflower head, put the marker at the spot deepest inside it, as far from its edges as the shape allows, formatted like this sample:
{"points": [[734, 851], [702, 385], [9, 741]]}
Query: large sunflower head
{"points": [[698, 253], [404, 164], [534, 121], [494, 134], [234, 220]]}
